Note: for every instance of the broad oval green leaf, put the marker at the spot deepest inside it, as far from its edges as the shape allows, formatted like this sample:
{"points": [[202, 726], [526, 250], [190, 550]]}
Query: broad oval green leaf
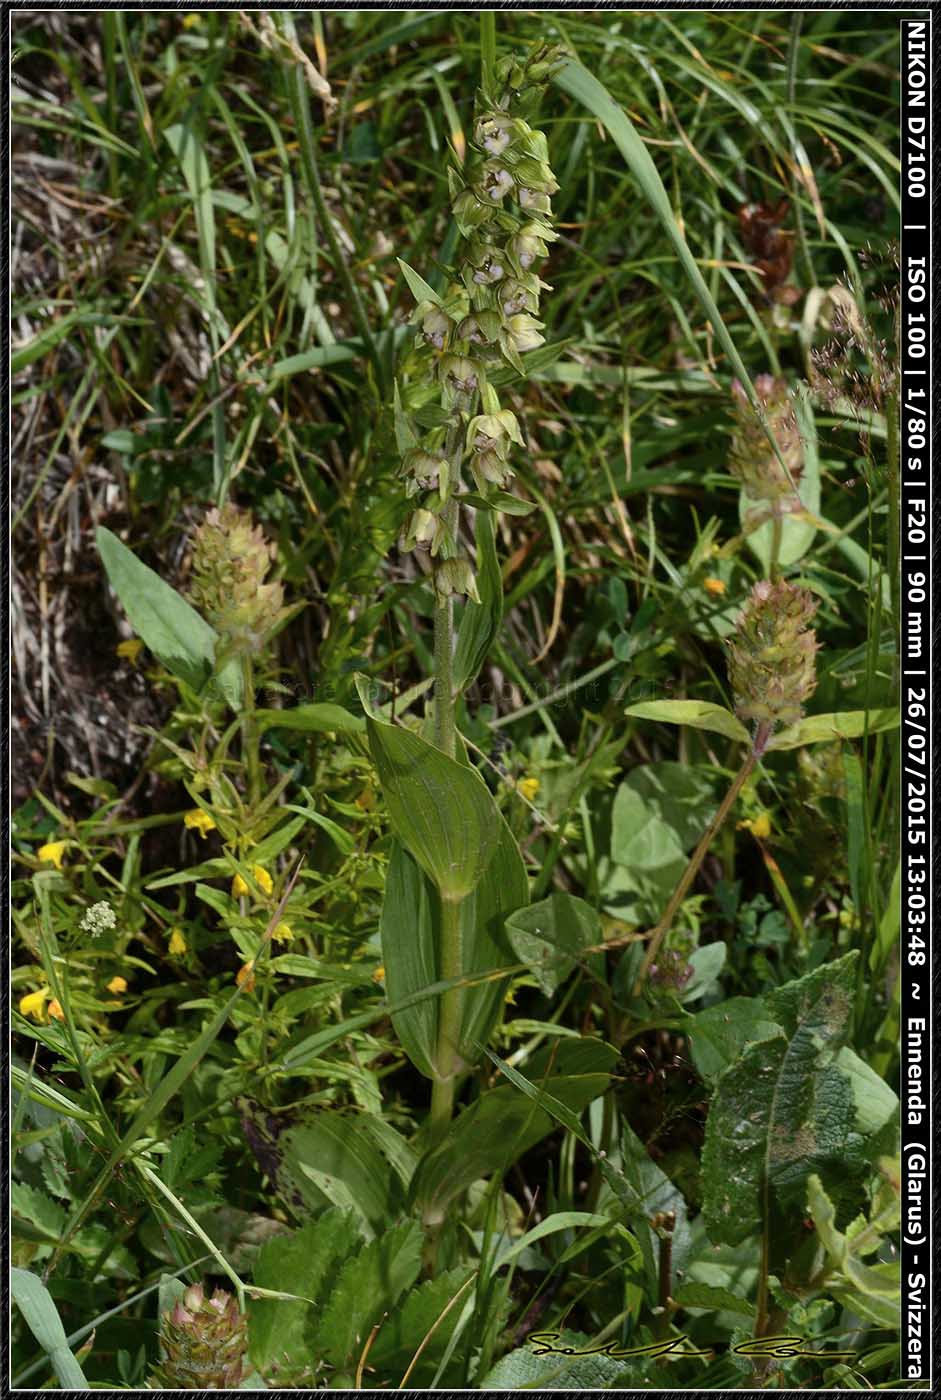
{"points": [[821, 729], [698, 714], [165, 622], [718, 1034], [353, 1161], [550, 935], [409, 927], [440, 809]]}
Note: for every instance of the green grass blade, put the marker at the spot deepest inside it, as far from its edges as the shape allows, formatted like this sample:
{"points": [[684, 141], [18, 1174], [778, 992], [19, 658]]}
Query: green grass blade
{"points": [[576, 80], [39, 1311]]}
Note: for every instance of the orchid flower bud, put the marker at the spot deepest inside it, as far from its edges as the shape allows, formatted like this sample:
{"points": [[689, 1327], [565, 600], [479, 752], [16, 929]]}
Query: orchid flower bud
{"points": [[436, 328], [426, 470], [455, 576], [459, 373], [534, 200], [522, 331]]}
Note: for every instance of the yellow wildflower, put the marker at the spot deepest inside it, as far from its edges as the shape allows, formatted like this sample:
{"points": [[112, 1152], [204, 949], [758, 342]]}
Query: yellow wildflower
{"points": [[117, 985], [714, 586], [198, 820], [130, 650], [366, 800], [53, 852], [283, 933], [190, 21], [760, 827], [245, 977], [32, 1004], [528, 787], [379, 975], [177, 943], [55, 1011], [261, 877]]}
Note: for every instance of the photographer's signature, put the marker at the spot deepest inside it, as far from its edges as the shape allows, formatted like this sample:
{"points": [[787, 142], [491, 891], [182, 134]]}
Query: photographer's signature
{"points": [[767, 1348]]}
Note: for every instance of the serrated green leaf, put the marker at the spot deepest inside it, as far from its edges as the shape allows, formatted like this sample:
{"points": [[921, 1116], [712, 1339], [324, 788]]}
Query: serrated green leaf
{"points": [[368, 1285], [707, 1295], [527, 1369], [46, 1215], [280, 1332], [698, 714], [426, 1319]]}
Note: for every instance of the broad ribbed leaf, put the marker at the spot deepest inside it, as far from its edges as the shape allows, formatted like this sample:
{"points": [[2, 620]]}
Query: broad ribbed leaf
{"points": [[784, 1109], [311, 719], [504, 1122], [441, 810], [410, 941], [409, 955], [354, 1161]]}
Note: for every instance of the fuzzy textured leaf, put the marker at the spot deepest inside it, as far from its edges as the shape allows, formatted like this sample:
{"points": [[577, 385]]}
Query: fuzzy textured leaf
{"points": [[783, 1108]]}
